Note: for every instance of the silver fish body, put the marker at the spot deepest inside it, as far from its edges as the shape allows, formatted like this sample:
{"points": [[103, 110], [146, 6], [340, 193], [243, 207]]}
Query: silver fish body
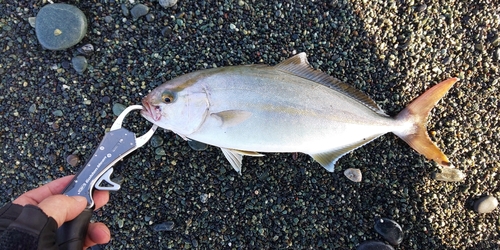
{"points": [[284, 108]]}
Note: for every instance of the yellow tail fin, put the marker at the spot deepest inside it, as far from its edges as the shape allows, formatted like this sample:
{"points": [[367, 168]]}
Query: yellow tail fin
{"points": [[417, 112]]}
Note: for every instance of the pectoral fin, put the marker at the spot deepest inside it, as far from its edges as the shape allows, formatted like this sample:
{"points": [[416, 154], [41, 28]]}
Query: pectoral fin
{"points": [[235, 157], [231, 118], [328, 159]]}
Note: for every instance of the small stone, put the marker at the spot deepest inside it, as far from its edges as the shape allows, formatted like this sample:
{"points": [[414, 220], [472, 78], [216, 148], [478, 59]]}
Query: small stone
{"points": [[496, 54], [449, 174], [139, 10], [120, 223], [485, 204], [108, 19], [479, 47], [105, 99], [65, 65], [166, 31], [353, 174], [59, 26], [86, 49], [421, 7], [156, 141], [118, 108], [160, 151], [58, 113], [196, 145], [374, 245], [150, 17], [165, 226], [79, 63], [32, 21], [495, 41], [390, 230], [167, 3], [204, 198], [125, 10], [32, 108], [72, 160], [447, 60]]}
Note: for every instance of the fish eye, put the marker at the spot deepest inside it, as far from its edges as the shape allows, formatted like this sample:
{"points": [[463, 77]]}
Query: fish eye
{"points": [[168, 97]]}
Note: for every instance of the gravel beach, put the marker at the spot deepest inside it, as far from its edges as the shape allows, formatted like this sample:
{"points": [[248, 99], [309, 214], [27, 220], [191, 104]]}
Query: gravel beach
{"points": [[176, 197]]}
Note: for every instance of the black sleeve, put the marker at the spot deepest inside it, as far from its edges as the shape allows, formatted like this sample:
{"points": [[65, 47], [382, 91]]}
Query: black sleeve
{"points": [[31, 228], [8, 214]]}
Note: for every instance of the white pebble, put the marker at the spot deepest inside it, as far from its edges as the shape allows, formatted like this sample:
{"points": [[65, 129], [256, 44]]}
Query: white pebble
{"points": [[353, 174]]}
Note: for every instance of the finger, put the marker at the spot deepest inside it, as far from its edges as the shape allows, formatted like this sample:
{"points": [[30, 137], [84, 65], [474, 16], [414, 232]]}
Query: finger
{"points": [[98, 233], [63, 208], [100, 198], [37, 195]]}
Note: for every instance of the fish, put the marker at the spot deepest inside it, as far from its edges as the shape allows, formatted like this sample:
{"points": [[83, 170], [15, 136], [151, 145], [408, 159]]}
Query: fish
{"points": [[252, 109]]}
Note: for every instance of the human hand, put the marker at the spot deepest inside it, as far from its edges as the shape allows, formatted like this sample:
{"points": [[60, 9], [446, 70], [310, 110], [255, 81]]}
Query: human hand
{"points": [[65, 208]]}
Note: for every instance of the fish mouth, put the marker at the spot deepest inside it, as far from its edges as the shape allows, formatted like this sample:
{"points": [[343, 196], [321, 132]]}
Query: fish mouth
{"points": [[151, 111]]}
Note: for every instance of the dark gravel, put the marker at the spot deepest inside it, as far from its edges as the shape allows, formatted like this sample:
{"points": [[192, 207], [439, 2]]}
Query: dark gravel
{"points": [[391, 50]]}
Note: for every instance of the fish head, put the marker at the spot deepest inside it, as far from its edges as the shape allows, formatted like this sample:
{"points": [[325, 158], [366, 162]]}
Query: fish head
{"points": [[180, 105]]}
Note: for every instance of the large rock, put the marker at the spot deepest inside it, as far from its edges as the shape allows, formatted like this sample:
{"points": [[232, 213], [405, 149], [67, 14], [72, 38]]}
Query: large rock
{"points": [[59, 26]]}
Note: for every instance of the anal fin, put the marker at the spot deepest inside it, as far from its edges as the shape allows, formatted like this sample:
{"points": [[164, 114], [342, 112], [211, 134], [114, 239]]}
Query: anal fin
{"points": [[328, 159]]}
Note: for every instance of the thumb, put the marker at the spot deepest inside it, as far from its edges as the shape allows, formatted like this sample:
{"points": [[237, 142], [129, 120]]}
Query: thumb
{"points": [[63, 208]]}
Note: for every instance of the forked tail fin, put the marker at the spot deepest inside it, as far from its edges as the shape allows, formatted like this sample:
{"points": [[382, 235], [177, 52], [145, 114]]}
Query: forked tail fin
{"points": [[417, 113]]}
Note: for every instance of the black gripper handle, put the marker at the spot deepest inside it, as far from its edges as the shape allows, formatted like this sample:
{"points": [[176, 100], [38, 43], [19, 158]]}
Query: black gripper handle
{"points": [[71, 235]]}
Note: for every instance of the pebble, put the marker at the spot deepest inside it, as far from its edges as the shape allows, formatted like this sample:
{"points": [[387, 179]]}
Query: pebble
{"points": [[139, 10], [374, 245], [165, 226], [120, 222], [353, 174], [32, 108], [479, 47], [65, 65], [447, 60], [59, 26], [167, 3], [150, 17], [73, 160], [32, 21], [204, 198], [86, 49], [496, 54], [389, 230], [166, 31], [422, 7], [108, 19], [79, 63], [160, 151], [196, 145], [105, 99], [125, 10], [485, 204], [118, 108], [58, 112], [156, 141], [449, 174], [495, 41]]}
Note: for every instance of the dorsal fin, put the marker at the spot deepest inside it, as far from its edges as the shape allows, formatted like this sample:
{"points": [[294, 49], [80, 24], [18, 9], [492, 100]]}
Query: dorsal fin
{"points": [[299, 66]]}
